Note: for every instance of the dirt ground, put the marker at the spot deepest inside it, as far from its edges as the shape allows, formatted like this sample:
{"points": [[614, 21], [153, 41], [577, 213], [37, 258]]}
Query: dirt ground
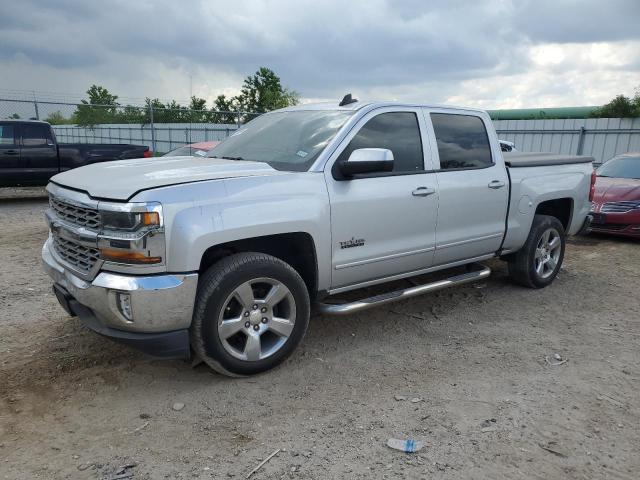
{"points": [[463, 370]]}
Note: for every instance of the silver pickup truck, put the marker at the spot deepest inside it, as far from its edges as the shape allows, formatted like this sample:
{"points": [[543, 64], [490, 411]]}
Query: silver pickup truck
{"points": [[223, 257]]}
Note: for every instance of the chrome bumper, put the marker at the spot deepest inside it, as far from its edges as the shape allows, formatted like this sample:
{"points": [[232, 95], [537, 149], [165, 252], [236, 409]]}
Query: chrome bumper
{"points": [[159, 303]]}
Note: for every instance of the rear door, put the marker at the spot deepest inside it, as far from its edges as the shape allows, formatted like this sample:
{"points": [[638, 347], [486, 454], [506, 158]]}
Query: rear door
{"points": [[383, 224], [39, 154], [10, 172], [473, 186]]}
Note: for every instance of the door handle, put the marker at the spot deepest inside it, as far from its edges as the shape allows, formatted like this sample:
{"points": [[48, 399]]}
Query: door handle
{"points": [[423, 192], [495, 184], [11, 152]]}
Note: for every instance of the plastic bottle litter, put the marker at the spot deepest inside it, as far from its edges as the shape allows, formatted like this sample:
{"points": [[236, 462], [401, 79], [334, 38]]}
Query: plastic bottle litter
{"points": [[406, 446]]}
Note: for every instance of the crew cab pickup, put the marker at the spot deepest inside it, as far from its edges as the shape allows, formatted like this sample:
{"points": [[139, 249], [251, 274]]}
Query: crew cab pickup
{"points": [[30, 155], [226, 254]]}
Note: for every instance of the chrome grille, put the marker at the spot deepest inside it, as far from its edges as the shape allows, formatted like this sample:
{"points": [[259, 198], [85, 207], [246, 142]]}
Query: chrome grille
{"points": [[619, 207], [75, 214], [81, 257]]}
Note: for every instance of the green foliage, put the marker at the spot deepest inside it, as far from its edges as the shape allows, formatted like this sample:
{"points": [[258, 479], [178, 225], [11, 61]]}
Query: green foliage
{"points": [[224, 106], [100, 108], [14, 116], [260, 93], [57, 118], [263, 92], [620, 107]]}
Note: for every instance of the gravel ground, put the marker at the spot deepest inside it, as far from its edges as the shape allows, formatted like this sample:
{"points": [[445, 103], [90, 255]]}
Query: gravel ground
{"points": [[463, 370]]}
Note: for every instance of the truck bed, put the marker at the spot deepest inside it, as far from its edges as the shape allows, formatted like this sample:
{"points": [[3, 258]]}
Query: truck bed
{"points": [[520, 159]]}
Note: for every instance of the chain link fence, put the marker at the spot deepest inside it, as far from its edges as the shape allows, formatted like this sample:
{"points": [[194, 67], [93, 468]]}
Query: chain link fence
{"points": [[163, 129], [160, 128]]}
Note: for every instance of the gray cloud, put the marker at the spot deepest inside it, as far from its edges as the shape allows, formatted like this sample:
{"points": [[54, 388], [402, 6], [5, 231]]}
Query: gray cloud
{"points": [[578, 21], [320, 49]]}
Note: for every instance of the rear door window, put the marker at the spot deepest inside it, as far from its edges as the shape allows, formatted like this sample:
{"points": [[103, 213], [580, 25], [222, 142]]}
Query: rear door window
{"points": [[7, 137], [395, 131], [462, 141], [35, 135]]}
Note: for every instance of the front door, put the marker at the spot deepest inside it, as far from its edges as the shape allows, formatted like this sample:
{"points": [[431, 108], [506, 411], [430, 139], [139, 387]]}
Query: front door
{"points": [[383, 224], [474, 188], [39, 154]]}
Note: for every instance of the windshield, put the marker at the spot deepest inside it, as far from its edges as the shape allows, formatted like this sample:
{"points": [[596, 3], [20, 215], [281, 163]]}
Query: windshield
{"points": [[621, 167], [285, 140]]}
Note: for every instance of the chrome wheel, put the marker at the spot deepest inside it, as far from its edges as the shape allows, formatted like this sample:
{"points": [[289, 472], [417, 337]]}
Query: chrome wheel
{"points": [[548, 253], [257, 319]]}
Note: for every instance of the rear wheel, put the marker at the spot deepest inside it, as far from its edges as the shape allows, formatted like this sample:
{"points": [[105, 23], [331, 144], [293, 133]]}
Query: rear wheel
{"points": [[251, 311], [539, 260]]}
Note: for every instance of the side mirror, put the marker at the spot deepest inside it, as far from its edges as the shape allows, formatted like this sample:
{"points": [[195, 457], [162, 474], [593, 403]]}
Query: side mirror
{"points": [[367, 160]]}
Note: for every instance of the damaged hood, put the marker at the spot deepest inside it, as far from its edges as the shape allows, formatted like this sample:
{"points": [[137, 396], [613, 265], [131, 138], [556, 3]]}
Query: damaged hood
{"points": [[120, 180]]}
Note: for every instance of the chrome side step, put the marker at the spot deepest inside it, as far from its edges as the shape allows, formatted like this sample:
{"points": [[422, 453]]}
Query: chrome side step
{"points": [[359, 305]]}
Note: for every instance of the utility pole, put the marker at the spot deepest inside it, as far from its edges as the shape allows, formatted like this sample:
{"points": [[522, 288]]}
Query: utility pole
{"points": [[35, 104]]}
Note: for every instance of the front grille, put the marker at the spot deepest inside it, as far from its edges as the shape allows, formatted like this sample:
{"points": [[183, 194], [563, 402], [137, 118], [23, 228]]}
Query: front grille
{"points": [[81, 257], [77, 215], [619, 207]]}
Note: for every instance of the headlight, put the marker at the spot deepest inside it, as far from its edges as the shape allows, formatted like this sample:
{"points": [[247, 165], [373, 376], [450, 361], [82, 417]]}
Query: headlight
{"points": [[129, 220], [132, 234]]}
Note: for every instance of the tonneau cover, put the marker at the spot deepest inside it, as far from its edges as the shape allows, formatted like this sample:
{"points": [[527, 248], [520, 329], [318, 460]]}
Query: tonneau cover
{"points": [[520, 159]]}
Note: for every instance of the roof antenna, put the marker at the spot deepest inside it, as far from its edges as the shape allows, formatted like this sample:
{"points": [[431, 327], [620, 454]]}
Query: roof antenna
{"points": [[347, 99]]}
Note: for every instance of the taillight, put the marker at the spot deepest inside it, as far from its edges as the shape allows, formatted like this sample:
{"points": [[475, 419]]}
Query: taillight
{"points": [[592, 188], [147, 153]]}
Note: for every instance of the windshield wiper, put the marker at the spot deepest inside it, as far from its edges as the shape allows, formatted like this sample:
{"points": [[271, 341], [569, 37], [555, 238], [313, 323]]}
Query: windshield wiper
{"points": [[228, 158]]}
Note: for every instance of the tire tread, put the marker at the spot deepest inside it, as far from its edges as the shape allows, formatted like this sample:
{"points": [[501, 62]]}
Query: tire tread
{"points": [[211, 281], [520, 263]]}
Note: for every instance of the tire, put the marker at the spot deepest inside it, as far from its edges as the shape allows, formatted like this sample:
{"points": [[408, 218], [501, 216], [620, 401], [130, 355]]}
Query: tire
{"points": [[537, 263], [251, 312]]}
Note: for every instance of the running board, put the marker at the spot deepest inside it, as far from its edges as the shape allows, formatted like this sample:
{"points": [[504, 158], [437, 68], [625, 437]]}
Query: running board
{"points": [[359, 305]]}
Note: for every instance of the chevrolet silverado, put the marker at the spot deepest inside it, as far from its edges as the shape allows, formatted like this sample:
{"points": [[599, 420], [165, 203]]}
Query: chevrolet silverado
{"points": [[224, 256]]}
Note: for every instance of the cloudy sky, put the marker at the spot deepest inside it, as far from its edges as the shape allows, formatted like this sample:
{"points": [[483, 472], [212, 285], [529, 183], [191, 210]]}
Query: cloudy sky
{"points": [[491, 54]]}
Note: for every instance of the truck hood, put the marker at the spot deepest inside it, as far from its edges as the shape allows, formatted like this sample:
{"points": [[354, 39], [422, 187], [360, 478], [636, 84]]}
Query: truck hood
{"points": [[616, 189], [120, 180]]}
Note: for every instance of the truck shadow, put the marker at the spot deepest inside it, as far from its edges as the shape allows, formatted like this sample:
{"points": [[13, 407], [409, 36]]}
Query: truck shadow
{"points": [[22, 194]]}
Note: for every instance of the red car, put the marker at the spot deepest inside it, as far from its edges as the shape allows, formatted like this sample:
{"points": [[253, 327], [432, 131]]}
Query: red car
{"points": [[616, 203], [195, 149]]}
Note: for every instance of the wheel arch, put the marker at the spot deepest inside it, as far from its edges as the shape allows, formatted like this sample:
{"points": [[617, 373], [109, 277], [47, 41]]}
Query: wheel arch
{"points": [[560, 208], [295, 248]]}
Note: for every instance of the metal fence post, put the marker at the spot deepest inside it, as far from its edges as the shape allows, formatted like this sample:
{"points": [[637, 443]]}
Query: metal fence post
{"points": [[35, 104], [153, 129], [581, 141]]}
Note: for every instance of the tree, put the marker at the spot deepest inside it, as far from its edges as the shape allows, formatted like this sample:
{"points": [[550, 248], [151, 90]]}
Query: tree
{"points": [[132, 114], [14, 116], [100, 96], [222, 106], [56, 118], [198, 110], [260, 93], [620, 107], [101, 107], [263, 92]]}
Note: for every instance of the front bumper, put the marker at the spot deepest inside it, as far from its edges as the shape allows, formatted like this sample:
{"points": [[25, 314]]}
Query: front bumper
{"points": [[160, 305], [621, 224], [632, 231]]}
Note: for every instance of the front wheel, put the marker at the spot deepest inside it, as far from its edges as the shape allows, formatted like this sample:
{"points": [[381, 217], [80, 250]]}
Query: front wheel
{"points": [[538, 262], [251, 312]]}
